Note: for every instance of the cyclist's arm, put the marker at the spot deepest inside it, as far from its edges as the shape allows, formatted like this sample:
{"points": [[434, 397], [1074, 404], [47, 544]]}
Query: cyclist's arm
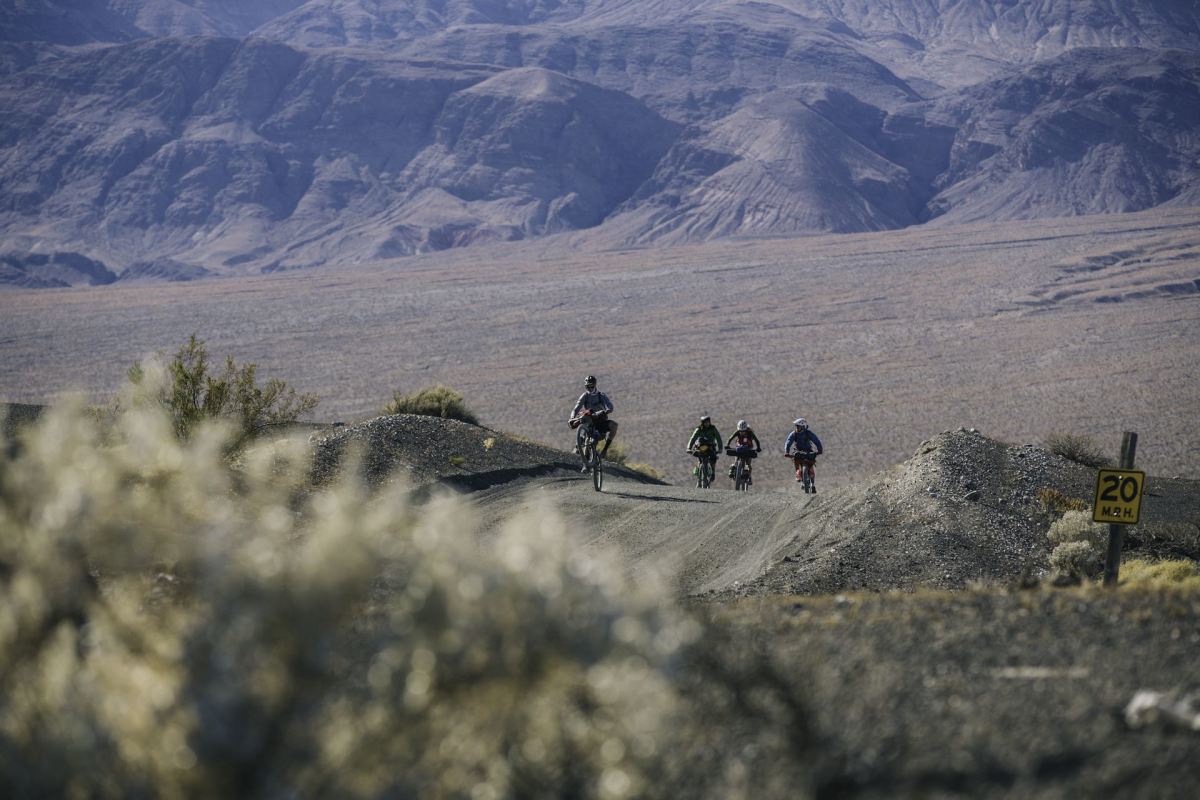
{"points": [[716, 437], [729, 441], [817, 442], [692, 441], [787, 446], [757, 444], [608, 406], [578, 406]]}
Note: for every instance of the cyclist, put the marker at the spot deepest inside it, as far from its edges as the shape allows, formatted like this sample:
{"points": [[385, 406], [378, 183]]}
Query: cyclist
{"points": [[802, 440], [746, 440], [594, 403], [705, 435]]}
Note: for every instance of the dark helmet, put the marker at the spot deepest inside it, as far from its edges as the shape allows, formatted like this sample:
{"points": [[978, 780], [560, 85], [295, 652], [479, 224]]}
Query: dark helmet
{"points": [[589, 382]]}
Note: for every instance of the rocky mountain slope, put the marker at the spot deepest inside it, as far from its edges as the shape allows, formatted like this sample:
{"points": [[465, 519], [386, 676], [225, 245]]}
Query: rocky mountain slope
{"points": [[347, 131]]}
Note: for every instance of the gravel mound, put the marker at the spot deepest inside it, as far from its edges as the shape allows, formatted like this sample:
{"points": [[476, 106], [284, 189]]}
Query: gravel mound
{"points": [[429, 450], [963, 509]]}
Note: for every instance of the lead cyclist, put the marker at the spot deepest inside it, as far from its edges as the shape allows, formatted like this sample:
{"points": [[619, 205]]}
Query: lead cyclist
{"points": [[595, 403]]}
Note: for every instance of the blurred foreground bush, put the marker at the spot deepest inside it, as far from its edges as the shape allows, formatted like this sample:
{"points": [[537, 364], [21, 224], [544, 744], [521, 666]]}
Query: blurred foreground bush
{"points": [[174, 627], [432, 401]]}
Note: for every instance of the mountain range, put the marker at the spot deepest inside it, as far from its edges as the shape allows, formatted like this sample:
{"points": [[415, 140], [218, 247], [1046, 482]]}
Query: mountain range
{"points": [[175, 139]]}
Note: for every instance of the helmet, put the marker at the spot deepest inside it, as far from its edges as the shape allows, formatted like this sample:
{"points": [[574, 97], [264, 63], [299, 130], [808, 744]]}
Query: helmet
{"points": [[589, 382], [801, 423], [705, 419], [742, 425]]}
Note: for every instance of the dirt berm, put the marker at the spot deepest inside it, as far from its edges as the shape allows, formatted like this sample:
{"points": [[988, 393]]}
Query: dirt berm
{"points": [[964, 508], [432, 450]]}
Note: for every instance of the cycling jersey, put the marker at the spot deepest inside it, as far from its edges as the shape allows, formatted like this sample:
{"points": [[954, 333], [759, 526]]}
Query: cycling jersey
{"points": [[744, 438], [596, 402], [803, 441], [709, 434]]}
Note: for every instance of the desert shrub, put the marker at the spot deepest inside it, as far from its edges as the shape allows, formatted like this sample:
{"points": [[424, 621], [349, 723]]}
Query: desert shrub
{"points": [[1077, 559], [432, 401], [1080, 449], [1055, 502], [191, 392], [171, 626], [1178, 574], [1079, 544]]}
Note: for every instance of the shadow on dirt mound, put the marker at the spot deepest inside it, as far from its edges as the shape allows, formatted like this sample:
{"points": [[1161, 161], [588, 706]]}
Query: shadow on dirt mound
{"points": [[963, 509], [432, 450]]}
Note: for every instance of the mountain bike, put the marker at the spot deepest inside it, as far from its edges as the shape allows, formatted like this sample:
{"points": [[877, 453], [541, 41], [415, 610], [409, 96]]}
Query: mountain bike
{"points": [[803, 462], [587, 439], [741, 468], [707, 467]]}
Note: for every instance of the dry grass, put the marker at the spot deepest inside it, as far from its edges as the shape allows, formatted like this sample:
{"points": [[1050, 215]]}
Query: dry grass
{"points": [[1080, 449], [618, 455], [1056, 502], [1177, 574], [432, 401]]}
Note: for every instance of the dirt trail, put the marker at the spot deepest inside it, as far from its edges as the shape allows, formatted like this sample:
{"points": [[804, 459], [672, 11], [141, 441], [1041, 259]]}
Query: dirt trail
{"points": [[964, 509], [703, 540]]}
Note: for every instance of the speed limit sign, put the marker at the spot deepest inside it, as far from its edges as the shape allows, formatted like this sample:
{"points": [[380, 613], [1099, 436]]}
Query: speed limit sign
{"points": [[1118, 496]]}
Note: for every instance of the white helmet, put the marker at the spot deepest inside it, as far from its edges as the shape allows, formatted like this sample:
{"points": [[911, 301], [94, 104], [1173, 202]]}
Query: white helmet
{"points": [[801, 423], [742, 425]]}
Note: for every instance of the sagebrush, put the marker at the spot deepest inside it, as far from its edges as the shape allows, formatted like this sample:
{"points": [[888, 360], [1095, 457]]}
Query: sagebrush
{"points": [[1079, 544], [172, 626], [432, 401]]}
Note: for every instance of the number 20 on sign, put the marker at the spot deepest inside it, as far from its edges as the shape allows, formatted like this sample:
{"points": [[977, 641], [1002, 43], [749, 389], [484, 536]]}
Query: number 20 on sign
{"points": [[1118, 496]]}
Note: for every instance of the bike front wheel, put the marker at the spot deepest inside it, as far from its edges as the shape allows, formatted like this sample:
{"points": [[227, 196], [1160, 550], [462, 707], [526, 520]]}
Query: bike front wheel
{"points": [[597, 467]]}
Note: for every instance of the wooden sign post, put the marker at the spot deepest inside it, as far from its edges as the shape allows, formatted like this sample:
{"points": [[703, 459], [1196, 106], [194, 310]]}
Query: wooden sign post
{"points": [[1124, 504]]}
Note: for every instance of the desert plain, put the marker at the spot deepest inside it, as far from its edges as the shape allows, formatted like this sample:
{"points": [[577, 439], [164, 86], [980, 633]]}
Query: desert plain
{"points": [[1084, 325]]}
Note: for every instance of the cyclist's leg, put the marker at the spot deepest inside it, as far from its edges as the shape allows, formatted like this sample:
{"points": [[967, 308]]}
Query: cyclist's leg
{"points": [[610, 433]]}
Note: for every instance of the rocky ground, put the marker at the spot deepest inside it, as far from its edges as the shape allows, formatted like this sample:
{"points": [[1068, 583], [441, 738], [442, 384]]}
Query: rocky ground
{"points": [[986, 693]]}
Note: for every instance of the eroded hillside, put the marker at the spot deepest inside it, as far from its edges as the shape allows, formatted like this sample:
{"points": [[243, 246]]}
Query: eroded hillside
{"points": [[349, 132]]}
